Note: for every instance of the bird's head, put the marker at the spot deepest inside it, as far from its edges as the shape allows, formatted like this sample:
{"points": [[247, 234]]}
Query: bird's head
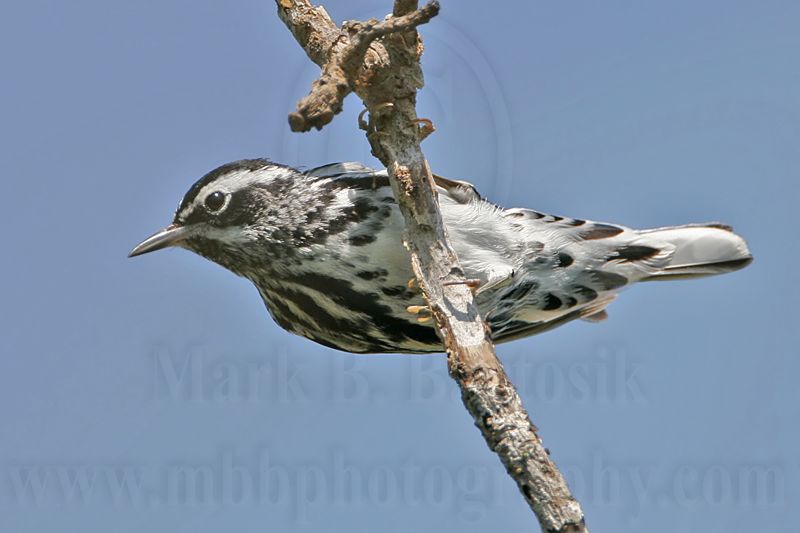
{"points": [[236, 215]]}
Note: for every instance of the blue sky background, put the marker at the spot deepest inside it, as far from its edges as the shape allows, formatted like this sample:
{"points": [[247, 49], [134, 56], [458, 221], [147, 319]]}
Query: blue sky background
{"points": [[679, 413]]}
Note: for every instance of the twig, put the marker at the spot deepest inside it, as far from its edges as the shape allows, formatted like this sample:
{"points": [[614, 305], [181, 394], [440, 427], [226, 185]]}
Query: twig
{"points": [[379, 61], [345, 48]]}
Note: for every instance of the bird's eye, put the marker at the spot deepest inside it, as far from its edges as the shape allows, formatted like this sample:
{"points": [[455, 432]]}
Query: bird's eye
{"points": [[215, 201]]}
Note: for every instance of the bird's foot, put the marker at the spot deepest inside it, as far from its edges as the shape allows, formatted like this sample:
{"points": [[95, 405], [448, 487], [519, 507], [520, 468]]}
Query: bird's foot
{"points": [[473, 283], [423, 312]]}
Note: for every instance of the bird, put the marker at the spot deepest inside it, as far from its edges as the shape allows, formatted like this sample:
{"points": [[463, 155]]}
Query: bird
{"points": [[324, 248]]}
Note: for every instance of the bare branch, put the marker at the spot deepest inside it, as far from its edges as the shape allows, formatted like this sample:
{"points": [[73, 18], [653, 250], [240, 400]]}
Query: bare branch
{"points": [[363, 33], [402, 7], [313, 28], [379, 61], [340, 53]]}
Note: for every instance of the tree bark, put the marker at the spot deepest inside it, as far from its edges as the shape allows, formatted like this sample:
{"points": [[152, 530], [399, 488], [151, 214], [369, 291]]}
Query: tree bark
{"points": [[379, 61]]}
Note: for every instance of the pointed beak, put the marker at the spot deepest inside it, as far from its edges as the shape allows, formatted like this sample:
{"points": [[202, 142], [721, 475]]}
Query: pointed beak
{"points": [[169, 236]]}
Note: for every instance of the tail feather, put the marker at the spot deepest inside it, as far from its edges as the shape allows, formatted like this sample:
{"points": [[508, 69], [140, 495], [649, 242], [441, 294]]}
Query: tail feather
{"points": [[700, 250]]}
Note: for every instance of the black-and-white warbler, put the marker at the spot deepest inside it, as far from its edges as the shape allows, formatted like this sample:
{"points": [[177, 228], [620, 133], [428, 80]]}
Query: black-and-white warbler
{"points": [[324, 249]]}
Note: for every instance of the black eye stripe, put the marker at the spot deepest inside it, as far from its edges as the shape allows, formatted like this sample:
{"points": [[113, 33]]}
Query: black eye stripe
{"points": [[215, 201]]}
